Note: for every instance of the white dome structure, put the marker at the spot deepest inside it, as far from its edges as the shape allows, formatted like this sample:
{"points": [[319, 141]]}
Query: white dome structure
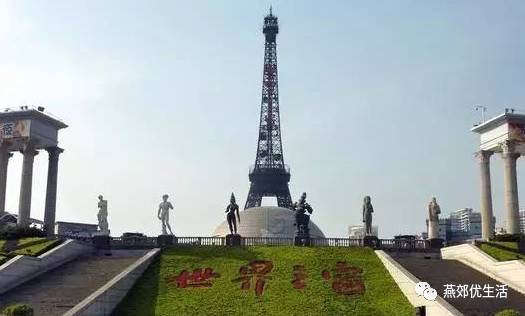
{"points": [[266, 221]]}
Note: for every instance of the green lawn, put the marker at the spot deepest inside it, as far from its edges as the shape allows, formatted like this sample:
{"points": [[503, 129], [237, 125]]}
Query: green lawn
{"points": [[36, 249], [3, 259], [31, 246], [153, 295], [502, 254]]}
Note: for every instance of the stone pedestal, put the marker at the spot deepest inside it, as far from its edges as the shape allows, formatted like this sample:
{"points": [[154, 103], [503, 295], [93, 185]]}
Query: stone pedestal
{"points": [[102, 242], [233, 240], [521, 245], [420, 311], [435, 243], [166, 240], [371, 241], [301, 240]]}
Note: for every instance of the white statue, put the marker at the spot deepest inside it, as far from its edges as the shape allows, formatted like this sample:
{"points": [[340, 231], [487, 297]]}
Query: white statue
{"points": [[164, 214], [433, 219], [103, 215]]}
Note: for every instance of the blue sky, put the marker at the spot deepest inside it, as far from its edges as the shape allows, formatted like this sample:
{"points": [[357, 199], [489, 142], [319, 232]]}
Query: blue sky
{"points": [[163, 97]]}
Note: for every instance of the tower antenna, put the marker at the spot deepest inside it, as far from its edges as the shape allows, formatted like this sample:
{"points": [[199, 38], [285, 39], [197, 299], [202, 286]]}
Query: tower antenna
{"points": [[483, 109]]}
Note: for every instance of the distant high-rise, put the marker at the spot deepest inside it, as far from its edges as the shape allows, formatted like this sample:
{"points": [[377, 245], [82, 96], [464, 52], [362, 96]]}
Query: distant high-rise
{"points": [[269, 176]]}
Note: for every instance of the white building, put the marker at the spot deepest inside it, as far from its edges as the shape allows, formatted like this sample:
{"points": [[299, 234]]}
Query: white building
{"points": [[358, 231]]}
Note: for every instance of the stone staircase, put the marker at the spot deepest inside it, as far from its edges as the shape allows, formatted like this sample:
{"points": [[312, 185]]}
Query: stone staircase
{"points": [[58, 290], [439, 272]]}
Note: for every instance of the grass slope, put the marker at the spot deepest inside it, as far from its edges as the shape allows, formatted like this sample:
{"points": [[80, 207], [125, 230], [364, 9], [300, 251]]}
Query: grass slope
{"points": [[151, 295], [502, 254], [31, 246]]}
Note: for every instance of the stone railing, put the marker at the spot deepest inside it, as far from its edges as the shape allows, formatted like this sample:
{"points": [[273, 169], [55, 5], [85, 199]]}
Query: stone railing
{"points": [[144, 242]]}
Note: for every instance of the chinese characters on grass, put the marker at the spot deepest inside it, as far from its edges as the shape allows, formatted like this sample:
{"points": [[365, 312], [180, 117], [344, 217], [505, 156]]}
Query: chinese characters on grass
{"points": [[256, 271], [475, 291], [346, 280], [197, 278]]}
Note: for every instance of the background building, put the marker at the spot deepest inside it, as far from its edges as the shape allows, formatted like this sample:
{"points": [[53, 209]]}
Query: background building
{"points": [[358, 231], [463, 224], [75, 229]]}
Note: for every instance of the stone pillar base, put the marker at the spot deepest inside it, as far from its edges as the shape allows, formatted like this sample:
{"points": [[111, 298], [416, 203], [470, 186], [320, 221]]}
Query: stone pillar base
{"points": [[233, 240], [521, 245], [102, 242], [301, 240], [420, 311], [435, 243], [166, 240], [371, 241]]}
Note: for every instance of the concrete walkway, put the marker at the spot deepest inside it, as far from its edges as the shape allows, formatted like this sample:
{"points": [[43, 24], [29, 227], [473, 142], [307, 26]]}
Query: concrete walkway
{"points": [[439, 272], [59, 290]]}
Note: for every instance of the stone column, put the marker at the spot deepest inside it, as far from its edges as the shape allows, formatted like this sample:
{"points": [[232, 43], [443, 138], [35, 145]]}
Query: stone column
{"points": [[51, 191], [487, 230], [24, 204], [4, 161], [510, 187]]}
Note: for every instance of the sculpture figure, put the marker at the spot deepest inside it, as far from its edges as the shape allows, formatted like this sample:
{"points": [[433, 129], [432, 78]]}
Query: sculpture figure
{"points": [[301, 218], [231, 210], [433, 219], [103, 215], [164, 214], [367, 215]]}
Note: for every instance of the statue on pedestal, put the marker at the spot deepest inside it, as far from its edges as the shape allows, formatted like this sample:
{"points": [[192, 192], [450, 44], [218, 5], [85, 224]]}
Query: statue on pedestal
{"points": [[103, 215], [231, 210], [367, 215], [302, 219], [164, 214], [433, 219]]}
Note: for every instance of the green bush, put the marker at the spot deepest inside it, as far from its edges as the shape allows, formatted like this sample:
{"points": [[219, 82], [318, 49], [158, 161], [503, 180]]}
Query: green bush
{"points": [[21, 232], [508, 312], [18, 310], [508, 237]]}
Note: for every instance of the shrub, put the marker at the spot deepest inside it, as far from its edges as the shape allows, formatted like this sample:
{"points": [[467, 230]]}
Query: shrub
{"points": [[18, 310], [21, 232], [508, 237], [507, 312]]}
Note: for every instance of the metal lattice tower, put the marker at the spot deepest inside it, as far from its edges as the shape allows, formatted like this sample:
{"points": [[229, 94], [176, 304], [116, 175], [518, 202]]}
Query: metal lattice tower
{"points": [[269, 176]]}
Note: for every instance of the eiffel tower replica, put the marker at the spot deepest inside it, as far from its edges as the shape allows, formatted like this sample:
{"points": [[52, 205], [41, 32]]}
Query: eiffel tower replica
{"points": [[269, 176]]}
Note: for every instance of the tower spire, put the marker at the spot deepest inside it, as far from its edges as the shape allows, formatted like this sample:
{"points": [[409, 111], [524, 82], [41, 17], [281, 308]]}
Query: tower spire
{"points": [[269, 176]]}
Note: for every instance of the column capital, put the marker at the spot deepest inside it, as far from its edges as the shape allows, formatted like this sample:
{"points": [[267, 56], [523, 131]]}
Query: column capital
{"points": [[508, 148], [483, 156], [29, 149], [54, 152]]}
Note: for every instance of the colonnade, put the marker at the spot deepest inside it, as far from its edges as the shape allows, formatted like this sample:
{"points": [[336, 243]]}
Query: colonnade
{"points": [[510, 183], [29, 152]]}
